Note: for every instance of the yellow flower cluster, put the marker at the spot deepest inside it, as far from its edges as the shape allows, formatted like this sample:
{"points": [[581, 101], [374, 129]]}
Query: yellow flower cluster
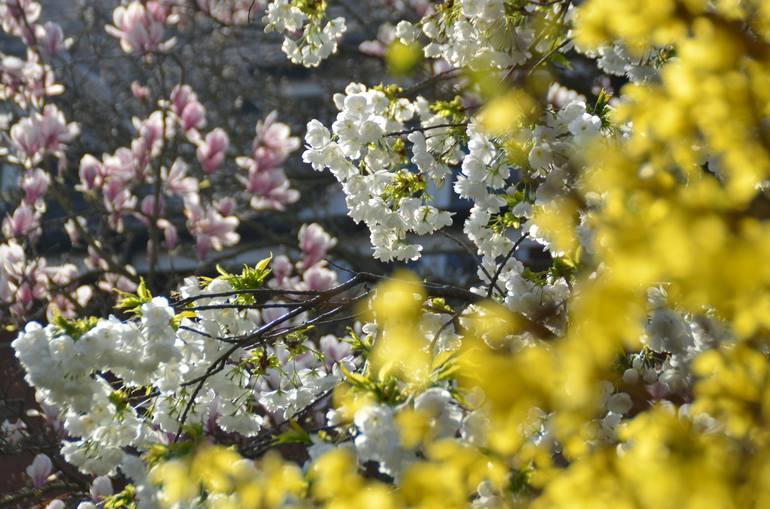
{"points": [[228, 481]]}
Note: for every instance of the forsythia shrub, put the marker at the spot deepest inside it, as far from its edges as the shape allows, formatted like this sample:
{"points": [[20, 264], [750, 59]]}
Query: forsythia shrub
{"points": [[632, 372]]}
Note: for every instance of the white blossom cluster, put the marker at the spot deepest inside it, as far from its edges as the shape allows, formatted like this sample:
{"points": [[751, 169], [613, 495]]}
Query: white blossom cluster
{"points": [[308, 37], [673, 340], [365, 151], [378, 436], [128, 384], [381, 190], [618, 61], [478, 35]]}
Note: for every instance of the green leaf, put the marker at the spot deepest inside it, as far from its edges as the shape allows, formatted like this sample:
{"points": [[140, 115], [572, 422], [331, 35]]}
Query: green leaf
{"points": [[263, 264], [177, 320], [359, 344], [439, 305], [131, 303], [74, 328], [356, 379], [250, 278], [405, 184], [119, 399], [122, 500]]}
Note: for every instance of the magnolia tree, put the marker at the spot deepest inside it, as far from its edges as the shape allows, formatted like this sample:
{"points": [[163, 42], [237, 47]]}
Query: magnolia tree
{"points": [[632, 372]]}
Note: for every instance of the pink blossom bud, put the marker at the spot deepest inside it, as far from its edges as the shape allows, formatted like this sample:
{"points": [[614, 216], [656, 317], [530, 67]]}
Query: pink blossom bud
{"points": [[24, 222], [319, 278], [181, 95], [314, 242], [90, 172], [113, 189], [282, 268], [334, 350], [101, 488], [40, 470], [193, 116], [51, 38], [211, 153], [35, 185], [170, 234]]}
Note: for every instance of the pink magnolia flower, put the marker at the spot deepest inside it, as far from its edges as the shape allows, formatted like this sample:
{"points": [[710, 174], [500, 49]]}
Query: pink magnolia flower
{"points": [[170, 233], [114, 188], [270, 314], [62, 305], [25, 222], [110, 282], [18, 15], [90, 173], [43, 133], [185, 104], [27, 81], [50, 38], [72, 230], [269, 188], [149, 143], [176, 180], [39, 80], [40, 470], [193, 117], [118, 200], [211, 153], [273, 142], [61, 274], [140, 28], [29, 282], [12, 257], [13, 78], [314, 242], [318, 278], [148, 208], [23, 299], [282, 269], [121, 166], [334, 350], [386, 34], [210, 228], [35, 185], [181, 96], [225, 206]]}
